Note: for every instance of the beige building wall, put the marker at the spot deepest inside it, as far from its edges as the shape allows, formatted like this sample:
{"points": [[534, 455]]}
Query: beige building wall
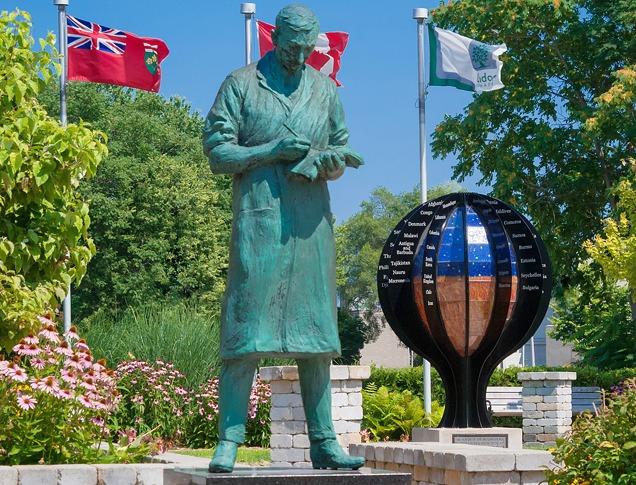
{"points": [[386, 351], [558, 353]]}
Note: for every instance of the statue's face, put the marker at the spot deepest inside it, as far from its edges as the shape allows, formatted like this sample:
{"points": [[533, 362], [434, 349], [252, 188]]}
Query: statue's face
{"points": [[293, 47]]}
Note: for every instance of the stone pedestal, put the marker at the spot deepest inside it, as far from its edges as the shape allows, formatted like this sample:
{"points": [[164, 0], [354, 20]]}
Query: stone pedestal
{"points": [[495, 437], [453, 464], [547, 405], [289, 441], [285, 476]]}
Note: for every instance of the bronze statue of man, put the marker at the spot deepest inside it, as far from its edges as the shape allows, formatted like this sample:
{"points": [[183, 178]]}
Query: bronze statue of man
{"points": [[278, 127]]}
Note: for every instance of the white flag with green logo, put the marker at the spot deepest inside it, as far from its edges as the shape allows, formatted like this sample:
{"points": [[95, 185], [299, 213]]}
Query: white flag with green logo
{"points": [[464, 63]]}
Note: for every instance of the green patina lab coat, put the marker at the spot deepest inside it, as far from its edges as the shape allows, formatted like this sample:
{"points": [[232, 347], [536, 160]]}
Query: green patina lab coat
{"points": [[281, 295]]}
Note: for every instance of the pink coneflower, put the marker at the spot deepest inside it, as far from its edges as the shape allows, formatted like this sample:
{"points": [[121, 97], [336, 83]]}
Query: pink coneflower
{"points": [[81, 346], [36, 382], [64, 349], [74, 361], [16, 373], [88, 383], [68, 376], [130, 434], [45, 320], [50, 333], [64, 394], [27, 349], [26, 401], [86, 402], [99, 366], [38, 363], [4, 364], [31, 339], [49, 385], [72, 333], [86, 361], [98, 421]]}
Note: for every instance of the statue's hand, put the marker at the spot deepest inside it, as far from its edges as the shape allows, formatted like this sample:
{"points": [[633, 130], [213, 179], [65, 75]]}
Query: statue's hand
{"points": [[330, 164], [352, 159], [291, 149]]}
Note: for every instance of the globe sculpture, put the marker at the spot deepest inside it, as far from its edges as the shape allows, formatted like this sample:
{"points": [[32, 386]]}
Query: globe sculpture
{"points": [[464, 280]]}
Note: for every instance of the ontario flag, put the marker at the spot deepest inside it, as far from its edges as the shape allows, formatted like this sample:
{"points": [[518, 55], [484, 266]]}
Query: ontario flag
{"points": [[100, 54], [326, 55]]}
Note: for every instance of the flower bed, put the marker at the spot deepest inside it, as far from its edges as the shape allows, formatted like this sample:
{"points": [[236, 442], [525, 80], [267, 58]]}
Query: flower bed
{"points": [[56, 400], [155, 398], [62, 406]]}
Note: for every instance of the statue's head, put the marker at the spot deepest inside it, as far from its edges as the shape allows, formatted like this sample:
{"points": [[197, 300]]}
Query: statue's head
{"points": [[295, 36]]}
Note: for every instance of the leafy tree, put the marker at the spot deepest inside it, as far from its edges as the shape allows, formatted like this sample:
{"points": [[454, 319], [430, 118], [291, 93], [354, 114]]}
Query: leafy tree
{"points": [[615, 249], [160, 220], [594, 316], [547, 143], [359, 242], [44, 244], [351, 330]]}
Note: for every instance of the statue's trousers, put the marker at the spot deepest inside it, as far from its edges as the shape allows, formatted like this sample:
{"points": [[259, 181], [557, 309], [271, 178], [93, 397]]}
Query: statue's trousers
{"points": [[236, 383]]}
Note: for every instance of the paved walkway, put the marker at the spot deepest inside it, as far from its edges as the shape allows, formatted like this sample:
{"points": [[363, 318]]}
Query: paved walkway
{"points": [[188, 461]]}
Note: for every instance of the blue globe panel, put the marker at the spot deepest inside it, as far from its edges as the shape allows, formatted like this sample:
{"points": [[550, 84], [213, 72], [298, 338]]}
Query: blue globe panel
{"points": [[453, 241], [450, 261], [480, 257]]}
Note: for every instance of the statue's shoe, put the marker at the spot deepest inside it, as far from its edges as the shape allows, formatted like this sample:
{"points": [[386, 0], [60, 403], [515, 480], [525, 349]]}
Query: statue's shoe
{"points": [[328, 454], [224, 457]]}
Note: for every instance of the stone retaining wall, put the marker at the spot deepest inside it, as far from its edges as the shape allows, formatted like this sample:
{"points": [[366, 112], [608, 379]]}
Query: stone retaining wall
{"points": [[547, 405], [454, 464], [289, 442], [136, 474]]}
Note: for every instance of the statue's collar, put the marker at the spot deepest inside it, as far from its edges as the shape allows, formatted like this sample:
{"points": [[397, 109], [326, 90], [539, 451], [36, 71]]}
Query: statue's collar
{"points": [[265, 70]]}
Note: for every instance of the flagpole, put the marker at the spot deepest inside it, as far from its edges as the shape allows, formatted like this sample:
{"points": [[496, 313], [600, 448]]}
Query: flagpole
{"points": [[248, 10], [61, 17], [421, 15]]}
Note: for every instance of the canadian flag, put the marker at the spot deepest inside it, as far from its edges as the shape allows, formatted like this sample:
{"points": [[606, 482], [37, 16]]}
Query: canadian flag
{"points": [[326, 55]]}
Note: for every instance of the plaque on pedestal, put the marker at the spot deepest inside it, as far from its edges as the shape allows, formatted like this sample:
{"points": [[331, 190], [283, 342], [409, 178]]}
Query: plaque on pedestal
{"points": [[285, 476], [496, 437]]}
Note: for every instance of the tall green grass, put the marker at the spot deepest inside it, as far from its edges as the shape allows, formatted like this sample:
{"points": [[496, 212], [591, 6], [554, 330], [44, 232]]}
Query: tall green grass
{"points": [[179, 333]]}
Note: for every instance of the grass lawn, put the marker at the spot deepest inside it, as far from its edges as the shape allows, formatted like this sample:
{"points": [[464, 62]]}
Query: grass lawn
{"points": [[252, 456], [537, 446]]}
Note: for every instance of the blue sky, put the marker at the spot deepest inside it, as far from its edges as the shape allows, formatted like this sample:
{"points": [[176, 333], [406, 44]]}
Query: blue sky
{"points": [[379, 73]]}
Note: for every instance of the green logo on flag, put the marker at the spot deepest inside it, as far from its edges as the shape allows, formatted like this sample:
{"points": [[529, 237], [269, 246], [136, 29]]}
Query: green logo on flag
{"points": [[481, 56], [150, 59]]}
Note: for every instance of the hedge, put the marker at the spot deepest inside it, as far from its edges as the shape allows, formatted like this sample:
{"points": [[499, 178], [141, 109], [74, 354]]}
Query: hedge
{"points": [[410, 378]]}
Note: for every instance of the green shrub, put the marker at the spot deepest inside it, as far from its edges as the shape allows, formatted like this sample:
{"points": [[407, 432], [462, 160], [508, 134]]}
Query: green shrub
{"points": [[600, 449], [585, 376], [391, 415], [44, 242], [507, 421], [177, 333], [406, 379], [410, 378]]}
